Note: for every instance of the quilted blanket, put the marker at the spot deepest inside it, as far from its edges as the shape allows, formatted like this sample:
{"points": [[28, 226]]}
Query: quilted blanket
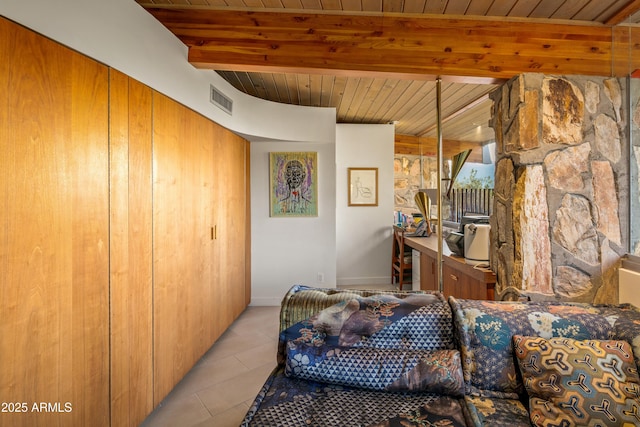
{"points": [[379, 360]]}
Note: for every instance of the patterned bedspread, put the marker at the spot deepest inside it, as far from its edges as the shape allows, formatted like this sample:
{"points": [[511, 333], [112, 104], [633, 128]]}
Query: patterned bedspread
{"points": [[380, 360]]}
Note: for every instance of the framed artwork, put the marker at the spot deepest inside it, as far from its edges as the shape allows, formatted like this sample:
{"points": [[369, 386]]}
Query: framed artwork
{"points": [[363, 186], [293, 184]]}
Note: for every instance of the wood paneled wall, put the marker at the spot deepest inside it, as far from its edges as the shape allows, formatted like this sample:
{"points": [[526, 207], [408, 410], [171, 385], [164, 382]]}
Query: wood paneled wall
{"points": [[184, 305], [54, 233], [131, 253], [230, 218], [200, 214], [122, 237]]}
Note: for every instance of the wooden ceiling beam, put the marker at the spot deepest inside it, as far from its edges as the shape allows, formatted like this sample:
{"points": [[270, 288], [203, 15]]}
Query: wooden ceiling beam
{"points": [[627, 10], [415, 46]]}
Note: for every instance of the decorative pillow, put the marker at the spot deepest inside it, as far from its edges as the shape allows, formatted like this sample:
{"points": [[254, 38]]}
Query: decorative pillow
{"points": [[436, 371], [627, 323], [484, 330], [572, 382], [402, 321]]}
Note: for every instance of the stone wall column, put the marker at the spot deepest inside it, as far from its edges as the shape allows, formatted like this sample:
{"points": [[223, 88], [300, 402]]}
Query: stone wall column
{"points": [[561, 187]]}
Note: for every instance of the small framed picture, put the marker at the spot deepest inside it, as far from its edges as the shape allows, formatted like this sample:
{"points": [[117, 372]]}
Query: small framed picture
{"points": [[363, 186]]}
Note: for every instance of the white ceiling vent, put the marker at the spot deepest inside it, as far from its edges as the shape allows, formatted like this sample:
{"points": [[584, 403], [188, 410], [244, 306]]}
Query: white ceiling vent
{"points": [[221, 100]]}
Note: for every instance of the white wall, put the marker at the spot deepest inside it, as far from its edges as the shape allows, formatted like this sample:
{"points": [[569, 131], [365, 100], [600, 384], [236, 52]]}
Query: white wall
{"points": [[364, 233], [121, 34], [289, 251], [629, 286]]}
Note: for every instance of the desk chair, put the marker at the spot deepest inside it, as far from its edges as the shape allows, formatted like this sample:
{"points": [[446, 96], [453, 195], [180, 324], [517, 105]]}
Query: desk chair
{"points": [[401, 257]]}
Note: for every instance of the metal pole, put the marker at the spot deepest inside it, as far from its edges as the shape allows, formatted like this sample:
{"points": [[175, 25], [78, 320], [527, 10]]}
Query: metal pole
{"points": [[439, 184], [421, 160]]}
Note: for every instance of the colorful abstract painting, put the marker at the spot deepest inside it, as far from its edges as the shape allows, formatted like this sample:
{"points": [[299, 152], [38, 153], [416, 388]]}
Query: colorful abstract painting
{"points": [[293, 184]]}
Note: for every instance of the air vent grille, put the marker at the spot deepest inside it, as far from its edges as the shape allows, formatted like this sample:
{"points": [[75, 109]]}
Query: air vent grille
{"points": [[221, 100]]}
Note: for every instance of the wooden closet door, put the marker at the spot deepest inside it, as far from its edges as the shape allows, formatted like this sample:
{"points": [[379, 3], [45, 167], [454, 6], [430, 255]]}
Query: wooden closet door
{"points": [[54, 233], [131, 250], [184, 304], [231, 225]]}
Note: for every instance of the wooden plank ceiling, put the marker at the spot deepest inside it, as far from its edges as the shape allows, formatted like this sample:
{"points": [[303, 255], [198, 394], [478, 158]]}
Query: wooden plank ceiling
{"points": [[376, 61]]}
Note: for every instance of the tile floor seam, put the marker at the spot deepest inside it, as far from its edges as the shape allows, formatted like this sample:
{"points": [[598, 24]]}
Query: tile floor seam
{"points": [[205, 406]]}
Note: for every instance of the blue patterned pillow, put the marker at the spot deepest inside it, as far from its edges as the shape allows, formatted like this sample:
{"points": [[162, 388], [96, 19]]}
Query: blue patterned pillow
{"points": [[485, 328], [388, 369], [407, 321], [582, 383]]}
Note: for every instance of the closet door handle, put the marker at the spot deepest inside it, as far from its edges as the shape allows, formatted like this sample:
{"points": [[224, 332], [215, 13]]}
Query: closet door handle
{"points": [[214, 232]]}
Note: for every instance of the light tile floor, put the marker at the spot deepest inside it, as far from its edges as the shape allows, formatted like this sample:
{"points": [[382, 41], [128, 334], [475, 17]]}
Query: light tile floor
{"points": [[221, 387]]}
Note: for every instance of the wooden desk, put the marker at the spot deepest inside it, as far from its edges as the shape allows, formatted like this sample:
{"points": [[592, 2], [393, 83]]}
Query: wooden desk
{"points": [[459, 279]]}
